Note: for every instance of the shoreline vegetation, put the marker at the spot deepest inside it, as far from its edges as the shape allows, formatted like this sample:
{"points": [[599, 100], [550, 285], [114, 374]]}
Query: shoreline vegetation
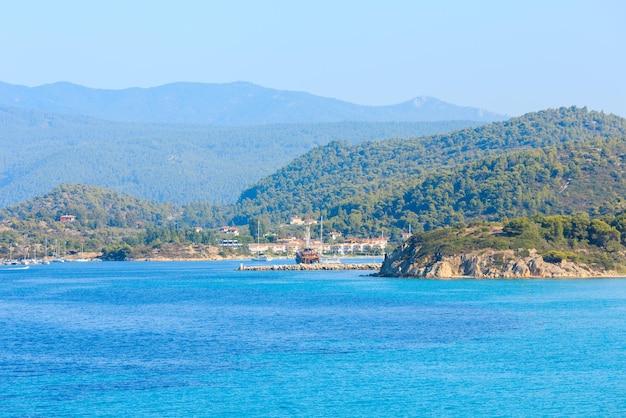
{"points": [[557, 246]]}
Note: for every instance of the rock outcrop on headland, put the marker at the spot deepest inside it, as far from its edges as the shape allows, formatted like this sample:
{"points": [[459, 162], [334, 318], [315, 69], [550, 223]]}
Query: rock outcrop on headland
{"points": [[557, 246], [486, 264]]}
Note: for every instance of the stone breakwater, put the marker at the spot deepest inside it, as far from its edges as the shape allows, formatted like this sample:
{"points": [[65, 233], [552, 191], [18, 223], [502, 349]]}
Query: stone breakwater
{"points": [[311, 267]]}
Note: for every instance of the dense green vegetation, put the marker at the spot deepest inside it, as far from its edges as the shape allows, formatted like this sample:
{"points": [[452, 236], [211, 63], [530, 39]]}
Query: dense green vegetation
{"points": [[94, 207], [554, 168], [553, 180], [599, 242], [555, 161], [180, 163]]}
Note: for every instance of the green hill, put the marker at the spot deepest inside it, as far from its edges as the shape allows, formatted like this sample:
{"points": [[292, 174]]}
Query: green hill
{"points": [[98, 218], [554, 161], [93, 207], [563, 179]]}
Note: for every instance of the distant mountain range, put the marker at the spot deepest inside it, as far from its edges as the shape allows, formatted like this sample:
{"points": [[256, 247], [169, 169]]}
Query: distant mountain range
{"points": [[238, 103]]}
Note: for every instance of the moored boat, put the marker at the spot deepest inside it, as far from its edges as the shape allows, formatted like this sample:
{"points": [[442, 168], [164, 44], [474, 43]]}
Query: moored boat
{"points": [[308, 256], [262, 257]]}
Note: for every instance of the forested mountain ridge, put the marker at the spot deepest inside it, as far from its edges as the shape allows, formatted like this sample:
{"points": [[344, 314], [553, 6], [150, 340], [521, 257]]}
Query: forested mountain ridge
{"points": [[369, 187], [178, 163], [238, 103]]}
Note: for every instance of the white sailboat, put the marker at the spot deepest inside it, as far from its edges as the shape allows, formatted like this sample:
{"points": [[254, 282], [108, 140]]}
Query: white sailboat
{"points": [[260, 256], [82, 258], [57, 256]]}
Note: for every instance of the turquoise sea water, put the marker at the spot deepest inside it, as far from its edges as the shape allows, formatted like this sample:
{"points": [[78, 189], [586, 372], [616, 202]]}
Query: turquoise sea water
{"points": [[200, 339]]}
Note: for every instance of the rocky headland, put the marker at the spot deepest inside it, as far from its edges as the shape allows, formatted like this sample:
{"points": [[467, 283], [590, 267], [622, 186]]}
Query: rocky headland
{"points": [[542, 247], [486, 264]]}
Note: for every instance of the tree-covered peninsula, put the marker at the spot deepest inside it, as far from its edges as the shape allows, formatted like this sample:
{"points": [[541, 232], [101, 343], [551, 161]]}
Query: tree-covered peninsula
{"points": [[539, 246]]}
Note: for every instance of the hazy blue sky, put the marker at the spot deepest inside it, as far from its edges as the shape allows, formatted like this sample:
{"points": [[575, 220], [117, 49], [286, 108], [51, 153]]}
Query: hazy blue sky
{"points": [[506, 56]]}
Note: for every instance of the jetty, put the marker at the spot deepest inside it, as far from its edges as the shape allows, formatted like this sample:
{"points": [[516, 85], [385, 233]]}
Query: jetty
{"points": [[311, 267]]}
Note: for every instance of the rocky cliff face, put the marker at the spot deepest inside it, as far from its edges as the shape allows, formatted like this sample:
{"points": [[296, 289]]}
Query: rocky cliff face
{"points": [[481, 264]]}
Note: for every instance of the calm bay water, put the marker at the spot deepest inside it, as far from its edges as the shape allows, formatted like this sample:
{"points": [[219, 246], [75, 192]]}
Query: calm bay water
{"points": [[199, 339]]}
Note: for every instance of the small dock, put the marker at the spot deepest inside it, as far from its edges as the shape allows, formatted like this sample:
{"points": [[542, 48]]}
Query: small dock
{"points": [[311, 267]]}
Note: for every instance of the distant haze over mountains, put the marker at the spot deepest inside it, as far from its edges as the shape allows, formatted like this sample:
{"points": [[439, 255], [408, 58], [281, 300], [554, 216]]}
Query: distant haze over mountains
{"points": [[238, 103]]}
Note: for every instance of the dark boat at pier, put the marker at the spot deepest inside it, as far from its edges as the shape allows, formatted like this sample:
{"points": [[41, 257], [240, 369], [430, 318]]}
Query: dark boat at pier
{"points": [[308, 256]]}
